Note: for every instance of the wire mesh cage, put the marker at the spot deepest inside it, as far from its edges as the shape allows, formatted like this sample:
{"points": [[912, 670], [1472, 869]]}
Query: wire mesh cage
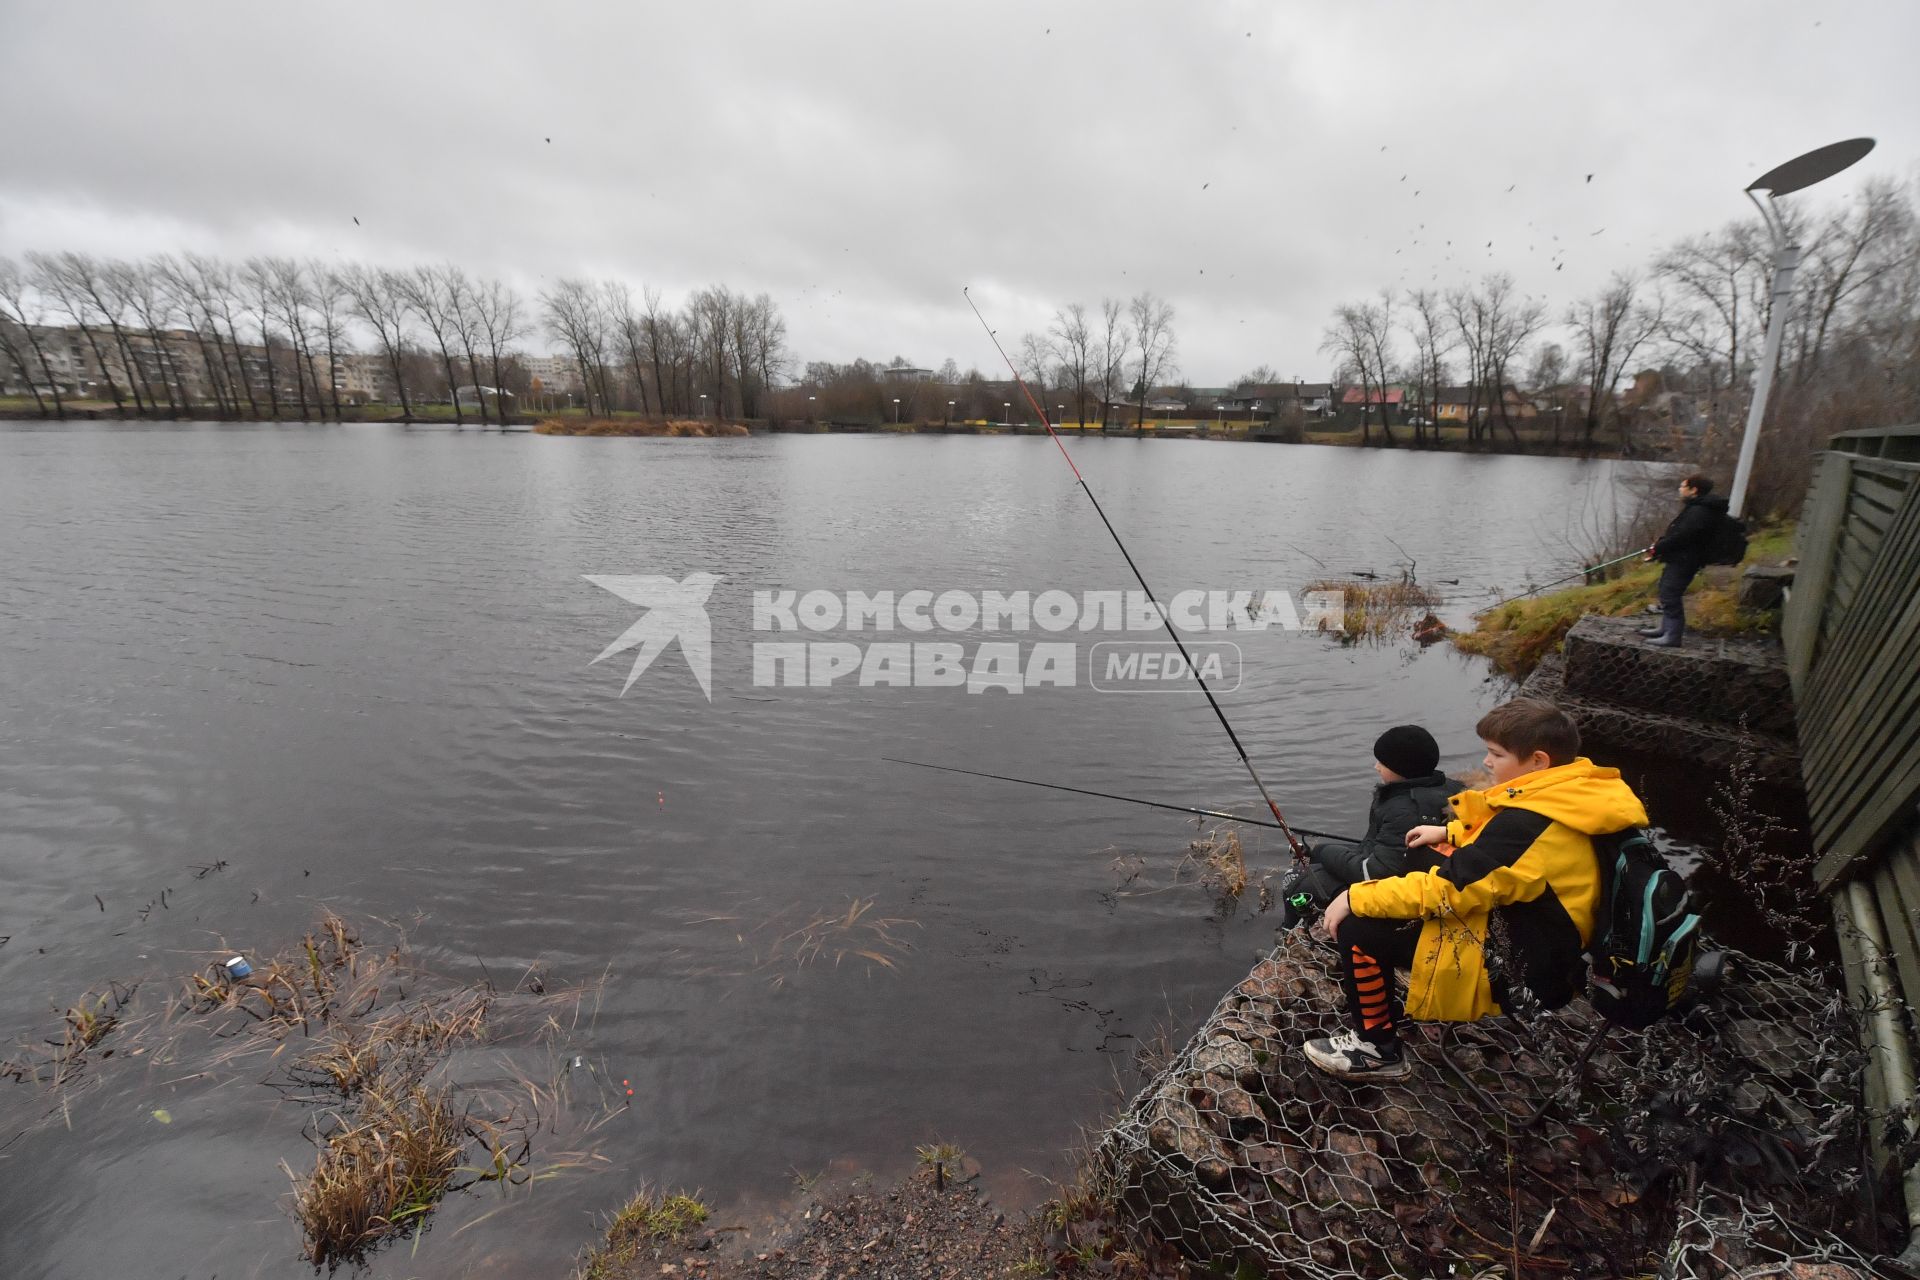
{"points": [[1508, 1148]]}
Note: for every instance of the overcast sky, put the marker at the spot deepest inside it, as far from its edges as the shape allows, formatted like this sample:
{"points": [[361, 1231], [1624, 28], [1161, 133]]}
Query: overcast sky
{"points": [[1256, 164]]}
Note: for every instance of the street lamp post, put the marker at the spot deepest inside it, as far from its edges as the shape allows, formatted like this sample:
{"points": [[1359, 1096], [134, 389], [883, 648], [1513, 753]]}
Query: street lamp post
{"points": [[703, 404], [1795, 175], [810, 400], [1059, 412], [896, 411], [948, 420], [1007, 413]]}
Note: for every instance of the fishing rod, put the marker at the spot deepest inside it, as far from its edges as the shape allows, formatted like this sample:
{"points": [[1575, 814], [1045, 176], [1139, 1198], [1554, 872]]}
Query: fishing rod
{"points": [[1293, 841], [1108, 795], [1592, 568]]}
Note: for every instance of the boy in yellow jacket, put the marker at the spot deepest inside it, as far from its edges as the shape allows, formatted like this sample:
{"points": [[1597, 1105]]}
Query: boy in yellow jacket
{"points": [[1522, 865]]}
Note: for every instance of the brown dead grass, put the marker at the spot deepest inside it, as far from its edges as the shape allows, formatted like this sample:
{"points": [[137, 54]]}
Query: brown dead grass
{"points": [[675, 427], [1380, 612], [361, 1033]]}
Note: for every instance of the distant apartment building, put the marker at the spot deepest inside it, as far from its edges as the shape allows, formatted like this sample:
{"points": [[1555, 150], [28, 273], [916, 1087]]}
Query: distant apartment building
{"points": [[556, 375]]}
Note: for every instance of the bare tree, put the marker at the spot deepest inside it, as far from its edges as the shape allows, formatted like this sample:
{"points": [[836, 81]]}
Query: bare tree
{"points": [[378, 300], [23, 311], [1360, 338], [1434, 340], [1610, 328], [573, 313], [112, 290], [462, 308], [331, 304], [1720, 285], [711, 313], [659, 325], [142, 286], [1114, 341], [1154, 347], [67, 281], [219, 288], [497, 307], [759, 347], [425, 292], [1854, 250], [1073, 345], [629, 329], [1511, 323], [256, 281], [188, 302]]}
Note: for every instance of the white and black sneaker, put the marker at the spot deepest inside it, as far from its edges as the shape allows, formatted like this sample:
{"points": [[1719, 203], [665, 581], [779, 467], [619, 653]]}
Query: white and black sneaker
{"points": [[1348, 1057]]}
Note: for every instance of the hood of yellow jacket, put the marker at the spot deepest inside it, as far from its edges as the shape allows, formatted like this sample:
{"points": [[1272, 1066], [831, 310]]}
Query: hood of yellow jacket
{"points": [[1587, 797]]}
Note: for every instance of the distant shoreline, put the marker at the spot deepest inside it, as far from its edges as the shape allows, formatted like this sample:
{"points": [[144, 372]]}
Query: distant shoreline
{"points": [[578, 424]]}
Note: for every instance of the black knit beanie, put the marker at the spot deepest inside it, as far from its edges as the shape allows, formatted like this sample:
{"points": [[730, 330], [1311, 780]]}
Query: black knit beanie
{"points": [[1408, 750]]}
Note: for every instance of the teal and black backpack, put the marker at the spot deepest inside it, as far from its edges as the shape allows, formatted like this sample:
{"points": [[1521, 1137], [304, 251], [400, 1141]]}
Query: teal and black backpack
{"points": [[1646, 932]]}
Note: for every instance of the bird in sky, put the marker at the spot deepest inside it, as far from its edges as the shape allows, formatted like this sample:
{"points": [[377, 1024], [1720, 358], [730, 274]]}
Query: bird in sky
{"points": [[1589, 177], [356, 222]]}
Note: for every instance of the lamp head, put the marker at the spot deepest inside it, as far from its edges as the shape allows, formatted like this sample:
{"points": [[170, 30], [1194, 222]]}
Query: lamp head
{"points": [[1816, 166]]}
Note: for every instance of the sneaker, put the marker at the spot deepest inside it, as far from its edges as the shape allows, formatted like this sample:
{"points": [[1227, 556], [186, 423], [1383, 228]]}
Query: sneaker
{"points": [[1652, 633], [1663, 642], [1348, 1057]]}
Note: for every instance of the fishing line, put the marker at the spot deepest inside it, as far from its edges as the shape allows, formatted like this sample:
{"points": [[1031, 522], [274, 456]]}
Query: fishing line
{"points": [[1293, 841], [1108, 795], [1592, 568]]}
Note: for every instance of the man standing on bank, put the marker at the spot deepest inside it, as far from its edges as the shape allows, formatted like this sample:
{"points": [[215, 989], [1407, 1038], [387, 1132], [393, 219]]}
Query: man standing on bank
{"points": [[1683, 550]]}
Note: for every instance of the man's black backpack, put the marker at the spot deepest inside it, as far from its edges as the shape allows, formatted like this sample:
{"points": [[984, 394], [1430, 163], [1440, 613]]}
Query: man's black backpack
{"points": [[1727, 544], [1646, 932]]}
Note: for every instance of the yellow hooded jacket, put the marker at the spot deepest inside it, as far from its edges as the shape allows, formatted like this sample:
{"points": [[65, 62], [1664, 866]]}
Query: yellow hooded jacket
{"points": [[1524, 848]]}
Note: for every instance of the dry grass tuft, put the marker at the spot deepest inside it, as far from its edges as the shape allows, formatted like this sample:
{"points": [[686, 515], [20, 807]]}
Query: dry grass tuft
{"points": [[677, 427], [788, 941], [378, 1174], [1222, 862], [1378, 612]]}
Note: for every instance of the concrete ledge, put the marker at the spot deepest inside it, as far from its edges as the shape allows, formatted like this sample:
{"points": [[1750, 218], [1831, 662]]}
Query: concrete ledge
{"points": [[1723, 680]]}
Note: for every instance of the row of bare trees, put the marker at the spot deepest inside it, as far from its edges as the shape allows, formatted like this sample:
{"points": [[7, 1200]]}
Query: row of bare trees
{"points": [[719, 354], [1121, 354], [268, 337], [264, 338], [1695, 320]]}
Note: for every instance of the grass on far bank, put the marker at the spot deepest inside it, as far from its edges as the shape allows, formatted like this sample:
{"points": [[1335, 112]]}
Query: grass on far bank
{"points": [[639, 427], [1517, 635]]}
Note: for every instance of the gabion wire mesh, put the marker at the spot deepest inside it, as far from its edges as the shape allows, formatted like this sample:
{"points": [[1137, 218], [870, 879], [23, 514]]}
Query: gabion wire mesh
{"points": [[1724, 1236], [1674, 733], [1728, 680], [1239, 1153]]}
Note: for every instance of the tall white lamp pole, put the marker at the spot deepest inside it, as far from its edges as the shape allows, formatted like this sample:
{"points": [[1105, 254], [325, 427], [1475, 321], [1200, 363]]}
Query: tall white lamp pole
{"points": [[1795, 175]]}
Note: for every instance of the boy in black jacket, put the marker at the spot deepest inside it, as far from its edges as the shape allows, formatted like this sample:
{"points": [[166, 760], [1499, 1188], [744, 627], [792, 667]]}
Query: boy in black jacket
{"points": [[1412, 793], [1683, 548]]}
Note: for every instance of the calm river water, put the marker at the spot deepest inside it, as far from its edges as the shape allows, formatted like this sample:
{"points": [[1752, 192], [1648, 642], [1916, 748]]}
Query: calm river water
{"points": [[353, 664]]}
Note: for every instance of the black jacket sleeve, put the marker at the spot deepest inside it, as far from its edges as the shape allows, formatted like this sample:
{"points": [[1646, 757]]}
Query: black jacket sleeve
{"points": [[1688, 533]]}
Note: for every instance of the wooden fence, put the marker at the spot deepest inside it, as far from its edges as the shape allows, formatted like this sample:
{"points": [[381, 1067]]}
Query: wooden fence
{"points": [[1852, 635]]}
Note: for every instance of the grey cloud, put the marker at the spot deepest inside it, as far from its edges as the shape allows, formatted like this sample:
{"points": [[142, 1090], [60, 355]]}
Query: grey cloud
{"points": [[889, 154]]}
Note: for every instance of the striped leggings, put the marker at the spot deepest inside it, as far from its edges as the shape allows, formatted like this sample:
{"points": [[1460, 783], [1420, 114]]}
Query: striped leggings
{"points": [[1370, 950]]}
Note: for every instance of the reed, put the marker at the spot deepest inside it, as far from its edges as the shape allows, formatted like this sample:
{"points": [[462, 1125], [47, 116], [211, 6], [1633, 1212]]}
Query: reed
{"points": [[378, 1174]]}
